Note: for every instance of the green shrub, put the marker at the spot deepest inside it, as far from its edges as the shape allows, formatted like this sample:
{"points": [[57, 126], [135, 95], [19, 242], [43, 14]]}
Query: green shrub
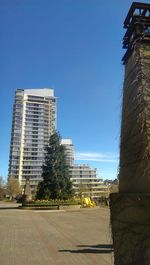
{"points": [[49, 203]]}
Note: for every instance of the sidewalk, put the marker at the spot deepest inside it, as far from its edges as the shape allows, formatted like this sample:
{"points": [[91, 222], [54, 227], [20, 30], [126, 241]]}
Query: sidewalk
{"points": [[64, 238]]}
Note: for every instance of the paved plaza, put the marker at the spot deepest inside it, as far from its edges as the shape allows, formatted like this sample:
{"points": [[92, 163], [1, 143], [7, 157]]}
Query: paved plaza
{"points": [[80, 237]]}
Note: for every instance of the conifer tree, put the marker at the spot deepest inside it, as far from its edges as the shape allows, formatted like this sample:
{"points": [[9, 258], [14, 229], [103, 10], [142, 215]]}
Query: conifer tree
{"points": [[56, 183]]}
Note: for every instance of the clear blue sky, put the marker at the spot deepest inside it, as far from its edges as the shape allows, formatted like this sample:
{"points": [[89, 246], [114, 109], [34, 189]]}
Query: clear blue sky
{"points": [[75, 47]]}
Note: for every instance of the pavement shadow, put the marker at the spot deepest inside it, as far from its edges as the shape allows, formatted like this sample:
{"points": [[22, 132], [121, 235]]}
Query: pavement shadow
{"points": [[94, 249]]}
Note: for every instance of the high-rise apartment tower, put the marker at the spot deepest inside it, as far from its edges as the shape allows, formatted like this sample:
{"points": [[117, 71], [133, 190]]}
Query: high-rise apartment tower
{"points": [[34, 120], [69, 150]]}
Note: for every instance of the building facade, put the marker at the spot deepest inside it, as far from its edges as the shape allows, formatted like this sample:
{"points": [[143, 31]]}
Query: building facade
{"points": [[69, 150], [86, 183], [34, 120], [84, 178]]}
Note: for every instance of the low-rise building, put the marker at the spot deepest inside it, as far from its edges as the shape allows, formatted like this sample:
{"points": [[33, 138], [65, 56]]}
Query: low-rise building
{"points": [[84, 178], [86, 182]]}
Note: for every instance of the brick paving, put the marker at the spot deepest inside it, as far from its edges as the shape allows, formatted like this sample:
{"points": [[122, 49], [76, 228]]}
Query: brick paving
{"points": [[55, 238]]}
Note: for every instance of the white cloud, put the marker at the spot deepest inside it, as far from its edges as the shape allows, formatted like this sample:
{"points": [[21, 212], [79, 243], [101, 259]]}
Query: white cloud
{"points": [[97, 157]]}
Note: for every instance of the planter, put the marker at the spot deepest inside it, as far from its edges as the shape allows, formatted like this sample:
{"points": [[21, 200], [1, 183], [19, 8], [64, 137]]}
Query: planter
{"points": [[69, 207]]}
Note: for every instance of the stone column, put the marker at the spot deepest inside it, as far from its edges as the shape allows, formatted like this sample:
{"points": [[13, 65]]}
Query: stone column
{"points": [[130, 208]]}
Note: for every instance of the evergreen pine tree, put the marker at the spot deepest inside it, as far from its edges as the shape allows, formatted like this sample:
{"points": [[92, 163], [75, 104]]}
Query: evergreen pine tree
{"points": [[56, 183]]}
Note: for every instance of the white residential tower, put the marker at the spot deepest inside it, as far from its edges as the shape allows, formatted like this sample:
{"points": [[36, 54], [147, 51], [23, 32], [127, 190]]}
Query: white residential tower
{"points": [[34, 120]]}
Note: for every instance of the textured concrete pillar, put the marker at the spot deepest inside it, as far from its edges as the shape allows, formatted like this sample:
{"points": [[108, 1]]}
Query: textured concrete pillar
{"points": [[135, 129], [130, 208], [130, 219]]}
